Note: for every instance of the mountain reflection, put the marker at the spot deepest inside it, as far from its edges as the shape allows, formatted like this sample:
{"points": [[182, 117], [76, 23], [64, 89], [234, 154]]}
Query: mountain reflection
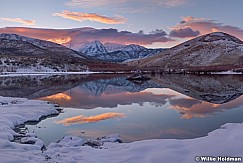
{"points": [[216, 89], [88, 92]]}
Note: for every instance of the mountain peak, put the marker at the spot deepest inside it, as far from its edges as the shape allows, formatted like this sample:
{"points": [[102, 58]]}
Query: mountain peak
{"points": [[219, 36], [111, 47], [116, 52], [93, 48], [97, 42], [10, 36], [213, 49], [135, 47]]}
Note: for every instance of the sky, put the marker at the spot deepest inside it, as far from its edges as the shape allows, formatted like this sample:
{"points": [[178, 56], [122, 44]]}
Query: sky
{"points": [[151, 23]]}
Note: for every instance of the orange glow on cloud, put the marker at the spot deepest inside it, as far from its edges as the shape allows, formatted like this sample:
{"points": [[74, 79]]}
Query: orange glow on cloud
{"points": [[80, 36], [204, 109], [199, 110], [59, 96], [62, 40], [80, 16], [208, 25], [91, 119], [19, 20], [215, 30]]}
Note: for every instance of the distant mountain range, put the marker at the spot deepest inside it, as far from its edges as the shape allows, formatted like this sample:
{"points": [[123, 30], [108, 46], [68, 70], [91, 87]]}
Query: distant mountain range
{"points": [[24, 54], [215, 50], [116, 52]]}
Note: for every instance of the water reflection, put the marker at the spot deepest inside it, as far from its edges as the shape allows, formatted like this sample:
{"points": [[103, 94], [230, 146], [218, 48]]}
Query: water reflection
{"points": [[216, 89], [79, 99], [80, 119], [167, 106], [196, 108]]}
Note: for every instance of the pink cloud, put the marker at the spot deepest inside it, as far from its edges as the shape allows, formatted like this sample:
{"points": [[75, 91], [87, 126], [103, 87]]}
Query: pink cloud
{"points": [[79, 36], [205, 26], [184, 32], [19, 20], [80, 16]]}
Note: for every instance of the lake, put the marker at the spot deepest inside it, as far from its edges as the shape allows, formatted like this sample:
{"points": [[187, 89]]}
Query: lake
{"points": [[165, 107]]}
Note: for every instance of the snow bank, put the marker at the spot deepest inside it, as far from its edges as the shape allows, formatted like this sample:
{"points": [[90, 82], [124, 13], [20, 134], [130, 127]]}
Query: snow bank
{"points": [[16, 111], [224, 142], [46, 73], [229, 72]]}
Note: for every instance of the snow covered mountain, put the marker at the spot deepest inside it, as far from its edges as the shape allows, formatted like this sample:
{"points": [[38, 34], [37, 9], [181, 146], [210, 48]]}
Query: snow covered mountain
{"points": [[24, 54], [111, 47], [116, 52], [13, 44], [93, 48], [214, 49]]}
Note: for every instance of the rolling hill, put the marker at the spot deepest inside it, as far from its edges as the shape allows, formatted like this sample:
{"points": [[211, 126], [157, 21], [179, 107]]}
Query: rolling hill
{"points": [[214, 50]]}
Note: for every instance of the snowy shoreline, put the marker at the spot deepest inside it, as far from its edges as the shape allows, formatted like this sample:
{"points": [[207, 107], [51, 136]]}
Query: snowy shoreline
{"points": [[46, 73], [223, 142], [36, 73], [3, 74]]}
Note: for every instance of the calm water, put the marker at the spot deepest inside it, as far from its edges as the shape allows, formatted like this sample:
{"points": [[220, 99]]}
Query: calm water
{"points": [[168, 106]]}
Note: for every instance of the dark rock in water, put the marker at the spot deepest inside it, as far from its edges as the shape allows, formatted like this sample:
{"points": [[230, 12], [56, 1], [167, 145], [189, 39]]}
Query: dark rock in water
{"points": [[139, 76], [110, 138], [93, 143]]}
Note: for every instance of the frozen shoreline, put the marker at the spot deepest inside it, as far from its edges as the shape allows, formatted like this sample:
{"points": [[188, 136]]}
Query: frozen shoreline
{"points": [[33, 73], [45, 73], [3, 74], [225, 141]]}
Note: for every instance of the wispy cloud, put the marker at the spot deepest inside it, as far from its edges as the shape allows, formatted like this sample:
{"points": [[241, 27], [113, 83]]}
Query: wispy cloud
{"points": [[127, 5], [170, 3], [91, 119], [19, 20], [80, 16], [92, 3]]}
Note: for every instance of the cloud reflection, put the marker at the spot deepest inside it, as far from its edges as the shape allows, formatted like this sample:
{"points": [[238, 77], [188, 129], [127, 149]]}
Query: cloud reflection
{"points": [[192, 108], [59, 96], [80, 99], [91, 119]]}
